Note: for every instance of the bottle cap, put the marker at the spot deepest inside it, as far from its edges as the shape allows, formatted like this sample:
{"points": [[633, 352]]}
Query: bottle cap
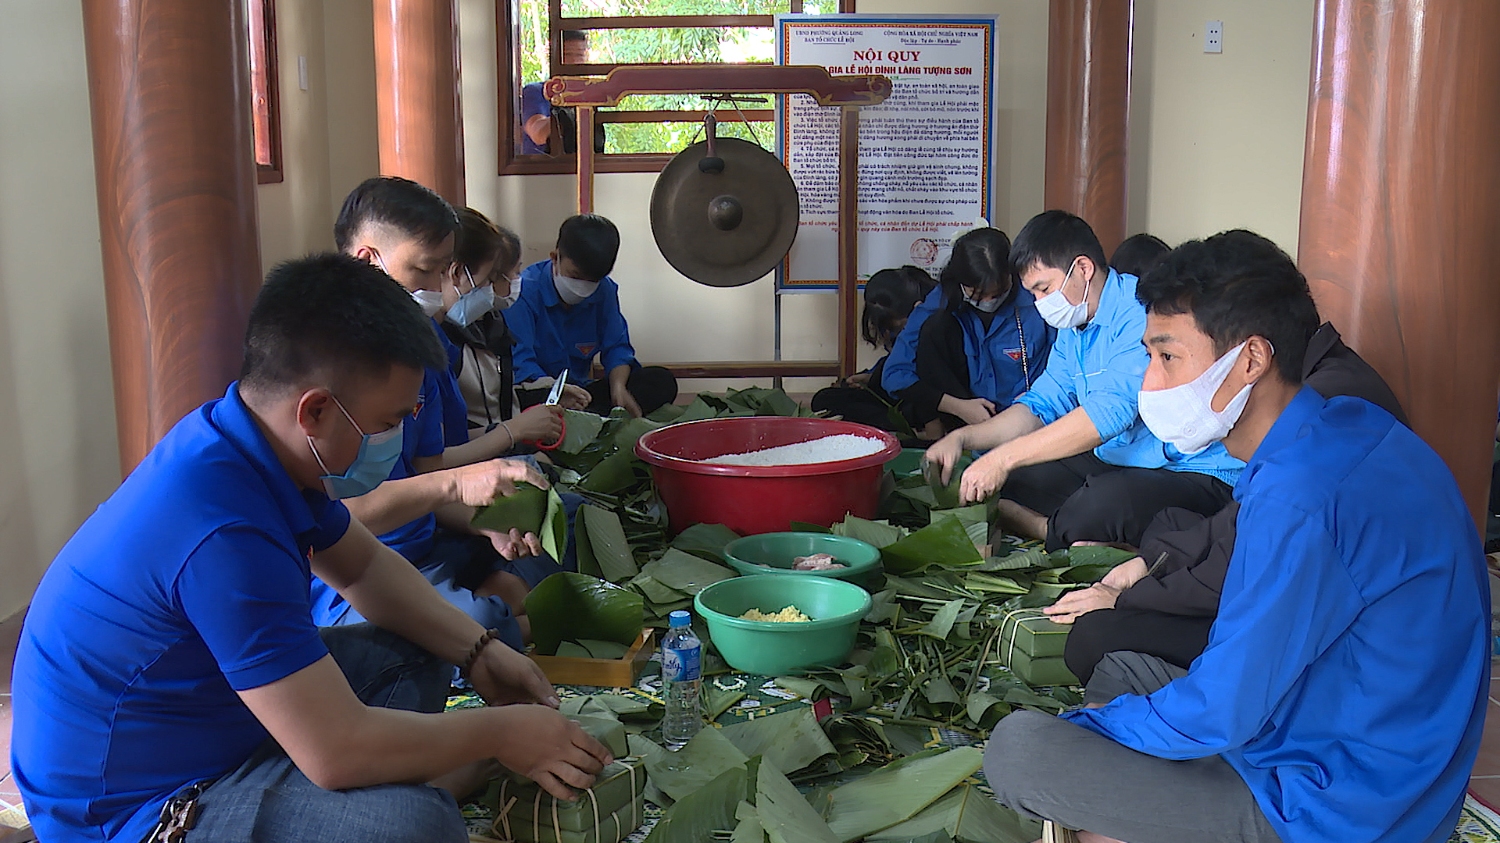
{"points": [[679, 618]]}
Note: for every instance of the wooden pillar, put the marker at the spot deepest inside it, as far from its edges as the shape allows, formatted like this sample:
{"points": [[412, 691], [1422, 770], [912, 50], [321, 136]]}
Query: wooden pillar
{"points": [[169, 92], [848, 242], [417, 94], [585, 121], [1088, 112], [1401, 208]]}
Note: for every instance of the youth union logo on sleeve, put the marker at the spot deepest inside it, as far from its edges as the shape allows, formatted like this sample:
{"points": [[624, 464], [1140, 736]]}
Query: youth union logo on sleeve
{"points": [[585, 349], [1013, 354], [417, 410]]}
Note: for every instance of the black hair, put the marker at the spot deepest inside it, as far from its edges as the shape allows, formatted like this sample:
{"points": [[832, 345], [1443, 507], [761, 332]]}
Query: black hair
{"points": [[1138, 254], [591, 242], [1052, 239], [1237, 284], [575, 35], [332, 313], [481, 240], [402, 204], [981, 262], [890, 296]]}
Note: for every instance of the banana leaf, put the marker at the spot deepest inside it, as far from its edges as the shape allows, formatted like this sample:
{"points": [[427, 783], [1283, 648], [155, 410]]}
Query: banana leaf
{"points": [[791, 740], [615, 705], [945, 543], [871, 532], [710, 810], [570, 650], [784, 814], [653, 590], [1020, 560], [942, 623], [701, 760], [568, 606], [1097, 555], [685, 572], [613, 474], [604, 649], [749, 829], [605, 729], [716, 701], [967, 815], [582, 429], [898, 791], [976, 514], [805, 527], [522, 511], [601, 540], [667, 413], [705, 540]]}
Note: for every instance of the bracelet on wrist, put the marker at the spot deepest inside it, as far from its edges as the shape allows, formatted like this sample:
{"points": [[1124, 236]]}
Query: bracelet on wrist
{"points": [[468, 666]]}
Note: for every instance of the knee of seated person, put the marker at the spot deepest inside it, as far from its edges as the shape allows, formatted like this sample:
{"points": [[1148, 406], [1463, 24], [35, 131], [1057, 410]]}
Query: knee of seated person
{"points": [[1018, 738], [403, 814]]}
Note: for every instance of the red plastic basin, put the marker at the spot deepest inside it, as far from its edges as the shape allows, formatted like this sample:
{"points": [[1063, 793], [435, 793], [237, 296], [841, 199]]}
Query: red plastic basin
{"points": [[760, 499]]}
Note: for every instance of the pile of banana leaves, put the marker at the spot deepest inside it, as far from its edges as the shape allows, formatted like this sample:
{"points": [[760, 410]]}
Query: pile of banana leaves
{"points": [[926, 663]]}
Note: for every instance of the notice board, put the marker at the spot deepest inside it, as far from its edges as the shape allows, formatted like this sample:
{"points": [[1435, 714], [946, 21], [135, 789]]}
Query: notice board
{"points": [[925, 154]]}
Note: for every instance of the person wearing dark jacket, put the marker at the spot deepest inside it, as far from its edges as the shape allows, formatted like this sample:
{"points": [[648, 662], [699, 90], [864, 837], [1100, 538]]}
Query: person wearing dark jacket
{"points": [[1164, 601]]}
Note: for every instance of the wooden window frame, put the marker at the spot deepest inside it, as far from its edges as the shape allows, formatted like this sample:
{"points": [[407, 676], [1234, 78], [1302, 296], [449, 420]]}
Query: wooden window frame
{"points": [[265, 84], [508, 36]]}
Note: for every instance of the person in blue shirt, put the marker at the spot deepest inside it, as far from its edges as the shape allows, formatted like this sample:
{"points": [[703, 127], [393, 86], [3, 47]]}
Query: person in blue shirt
{"points": [[538, 115], [424, 512], [890, 297], [973, 345], [1343, 690], [1071, 460], [569, 313], [169, 659]]}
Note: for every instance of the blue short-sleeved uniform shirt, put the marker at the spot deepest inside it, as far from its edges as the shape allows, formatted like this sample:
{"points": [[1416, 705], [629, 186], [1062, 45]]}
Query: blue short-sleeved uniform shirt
{"points": [[455, 409], [551, 336], [189, 584]]}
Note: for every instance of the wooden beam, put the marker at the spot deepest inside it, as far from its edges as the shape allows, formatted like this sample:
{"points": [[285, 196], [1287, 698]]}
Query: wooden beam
{"points": [[169, 94], [1088, 112], [756, 369], [718, 79], [420, 119], [1400, 207]]}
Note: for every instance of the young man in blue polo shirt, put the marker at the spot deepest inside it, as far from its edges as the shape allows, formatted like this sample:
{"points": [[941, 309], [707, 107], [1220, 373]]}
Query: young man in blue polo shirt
{"points": [[1343, 691], [1071, 459], [409, 232], [169, 674], [569, 313]]}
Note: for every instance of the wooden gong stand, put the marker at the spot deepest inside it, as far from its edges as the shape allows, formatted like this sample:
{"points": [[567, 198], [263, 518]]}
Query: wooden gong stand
{"points": [[846, 92]]}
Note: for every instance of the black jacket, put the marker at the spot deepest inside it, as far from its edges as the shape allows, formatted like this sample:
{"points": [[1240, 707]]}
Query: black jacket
{"points": [[1190, 553]]}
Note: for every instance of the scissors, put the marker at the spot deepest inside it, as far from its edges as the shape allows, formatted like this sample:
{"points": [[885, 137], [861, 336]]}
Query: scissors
{"points": [[553, 399]]}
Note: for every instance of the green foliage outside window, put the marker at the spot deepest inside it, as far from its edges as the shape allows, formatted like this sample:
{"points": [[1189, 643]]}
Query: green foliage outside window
{"points": [[749, 45]]}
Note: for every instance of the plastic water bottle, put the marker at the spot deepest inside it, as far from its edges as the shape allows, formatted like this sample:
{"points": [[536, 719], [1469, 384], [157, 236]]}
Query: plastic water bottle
{"points": [[681, 676]]}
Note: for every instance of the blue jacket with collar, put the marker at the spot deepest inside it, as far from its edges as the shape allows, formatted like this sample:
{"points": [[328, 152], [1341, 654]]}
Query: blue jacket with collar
{"points": [[551, 337]]}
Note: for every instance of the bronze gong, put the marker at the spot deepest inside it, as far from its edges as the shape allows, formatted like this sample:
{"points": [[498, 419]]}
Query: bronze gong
{"points": [[724, 212]]}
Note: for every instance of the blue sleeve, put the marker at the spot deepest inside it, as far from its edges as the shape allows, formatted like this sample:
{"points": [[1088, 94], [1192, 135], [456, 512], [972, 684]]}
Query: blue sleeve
{"points": [[1114, 390], [533, 101], [247, 597], [423, 433], [1051, 396], [521, 319], [1287, 598], [1039, 340], [614, 341], [901, 364], [333, 522]]}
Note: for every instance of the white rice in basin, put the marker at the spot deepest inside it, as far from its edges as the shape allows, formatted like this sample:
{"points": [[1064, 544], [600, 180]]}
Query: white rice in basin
{"points": [[843, 446]]}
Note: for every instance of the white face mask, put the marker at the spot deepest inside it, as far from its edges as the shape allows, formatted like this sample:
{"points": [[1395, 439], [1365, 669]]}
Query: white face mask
{"points": [[1060, 313], [1184, 417], [983, 305], [573, 290], [506, 301], [430, 300]]}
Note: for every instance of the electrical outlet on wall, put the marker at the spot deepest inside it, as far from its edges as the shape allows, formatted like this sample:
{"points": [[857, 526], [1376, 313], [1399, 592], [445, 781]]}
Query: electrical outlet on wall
{"points": [[1213, 37]]}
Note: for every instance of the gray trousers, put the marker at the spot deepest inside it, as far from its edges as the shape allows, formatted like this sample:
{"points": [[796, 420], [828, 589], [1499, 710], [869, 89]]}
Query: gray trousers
{"points": [[268, 800], [1047, 768]]}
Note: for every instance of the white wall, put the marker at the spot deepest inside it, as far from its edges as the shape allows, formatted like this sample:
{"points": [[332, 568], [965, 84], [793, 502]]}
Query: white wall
{"points": [[1216, 140], [58, 452]]}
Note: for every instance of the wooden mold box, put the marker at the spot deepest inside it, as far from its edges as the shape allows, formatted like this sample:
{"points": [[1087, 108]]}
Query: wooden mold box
{"points": [[604, 673]]}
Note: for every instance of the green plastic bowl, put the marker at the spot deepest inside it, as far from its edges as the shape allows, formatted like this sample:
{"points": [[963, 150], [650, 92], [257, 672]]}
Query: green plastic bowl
{"points": [[767, 648], [779, 551]]}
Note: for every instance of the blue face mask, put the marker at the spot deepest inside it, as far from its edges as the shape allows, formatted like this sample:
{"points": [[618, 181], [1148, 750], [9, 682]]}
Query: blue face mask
{"points": [[378, 453], [472, 305]]}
